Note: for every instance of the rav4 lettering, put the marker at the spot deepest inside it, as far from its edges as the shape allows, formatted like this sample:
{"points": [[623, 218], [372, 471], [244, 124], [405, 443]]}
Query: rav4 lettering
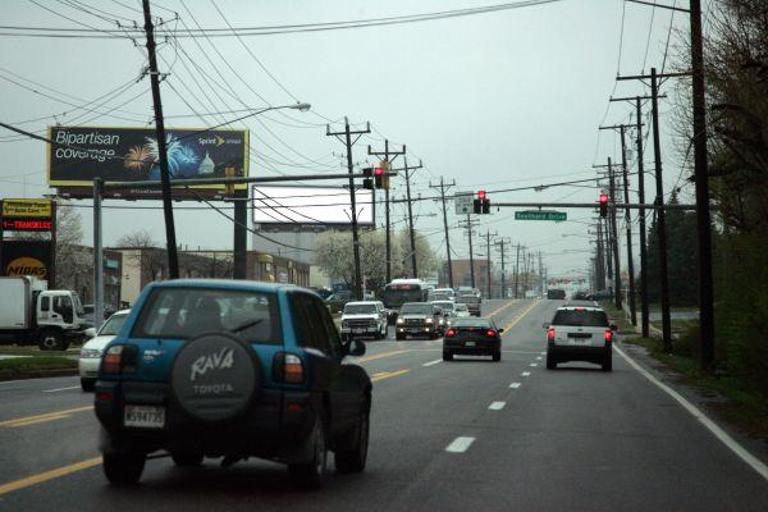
{"points": [[216, 361]]}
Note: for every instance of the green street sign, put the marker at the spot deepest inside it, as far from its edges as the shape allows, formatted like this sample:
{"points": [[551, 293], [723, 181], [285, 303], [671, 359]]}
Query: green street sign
{"points": [[541, 215]]}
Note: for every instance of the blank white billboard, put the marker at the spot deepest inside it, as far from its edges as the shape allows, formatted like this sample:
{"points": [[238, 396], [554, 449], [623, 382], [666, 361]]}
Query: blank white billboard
{"points": [[310, 205]]}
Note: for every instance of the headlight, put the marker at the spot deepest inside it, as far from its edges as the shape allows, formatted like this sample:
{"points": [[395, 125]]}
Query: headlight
{"points": [[429, 320], [441, 321], [90, 353], [400, 321]]}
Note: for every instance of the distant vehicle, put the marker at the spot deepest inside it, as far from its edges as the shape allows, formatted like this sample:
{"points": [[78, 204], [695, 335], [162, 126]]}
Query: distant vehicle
{"points": [[31, 313], [472, 302], [212, 368], [449, 310], [89, 309], [556, 294], [93, 349], [442, 294], [461, 310], [580, 295], [324, 293], [368, 318], [580, 333], [337, 300], [472, 336], [401, 291], [418, 319]]}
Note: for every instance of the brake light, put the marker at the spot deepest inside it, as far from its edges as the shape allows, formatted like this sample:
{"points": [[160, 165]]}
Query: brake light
{"points": [[491, 333], [450, 333], [288, 368], [551, 334], [113, 359], [608, 336]]}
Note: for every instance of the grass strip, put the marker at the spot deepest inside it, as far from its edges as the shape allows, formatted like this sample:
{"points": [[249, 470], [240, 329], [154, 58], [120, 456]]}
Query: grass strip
{"points": [[27, 367]]}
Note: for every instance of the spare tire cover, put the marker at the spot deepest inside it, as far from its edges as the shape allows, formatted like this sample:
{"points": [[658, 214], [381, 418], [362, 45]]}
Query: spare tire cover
{"points": [[215, 377]]}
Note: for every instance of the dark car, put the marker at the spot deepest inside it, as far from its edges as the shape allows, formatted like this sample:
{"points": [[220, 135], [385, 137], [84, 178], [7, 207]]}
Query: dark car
{"points": [[581, 295], [231, 369], [419, 319], [472, 301], [338, 300], [472, 336], [556, 294]]}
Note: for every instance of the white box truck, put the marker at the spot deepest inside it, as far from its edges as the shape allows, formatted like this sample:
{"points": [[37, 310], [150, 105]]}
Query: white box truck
{"points": [[30, 313]]}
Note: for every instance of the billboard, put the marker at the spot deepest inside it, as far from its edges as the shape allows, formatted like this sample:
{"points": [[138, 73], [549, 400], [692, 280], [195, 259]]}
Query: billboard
{"points": [[27, 215], [27, 258], [310, 206], [77, 155]]}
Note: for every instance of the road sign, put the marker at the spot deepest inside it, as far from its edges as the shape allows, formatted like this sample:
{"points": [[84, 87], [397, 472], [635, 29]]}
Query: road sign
{"points": [[541, 215], [463, 202]]}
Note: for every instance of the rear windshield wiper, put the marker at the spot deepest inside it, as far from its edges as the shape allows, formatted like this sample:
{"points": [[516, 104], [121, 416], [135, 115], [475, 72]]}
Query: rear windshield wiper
{"points": [[247, 325]]}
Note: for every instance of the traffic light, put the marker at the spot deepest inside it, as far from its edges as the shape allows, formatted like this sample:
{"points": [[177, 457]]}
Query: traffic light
{"points": [[367, 180], [378, 173], [482, 204], [603, 204], [382, 174]]}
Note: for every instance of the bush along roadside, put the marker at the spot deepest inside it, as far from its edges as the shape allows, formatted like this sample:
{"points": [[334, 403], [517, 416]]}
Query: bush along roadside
{"points": [[35, 367]]}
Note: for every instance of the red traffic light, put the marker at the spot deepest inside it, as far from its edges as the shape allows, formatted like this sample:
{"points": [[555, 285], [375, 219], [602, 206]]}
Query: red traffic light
{"points": [[378, 171], [603, 198], [603, 204], [481, 195]]}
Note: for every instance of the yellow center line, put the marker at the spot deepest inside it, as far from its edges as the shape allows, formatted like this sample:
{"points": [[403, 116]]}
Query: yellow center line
{"points": [[388, 375], [39, 418], [505, 306], [382, 355], [48, 475], [520, 316]]}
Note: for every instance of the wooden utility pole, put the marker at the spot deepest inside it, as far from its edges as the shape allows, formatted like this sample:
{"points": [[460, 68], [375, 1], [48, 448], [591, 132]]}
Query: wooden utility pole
{"points": [[443, 186], [389, 156]]}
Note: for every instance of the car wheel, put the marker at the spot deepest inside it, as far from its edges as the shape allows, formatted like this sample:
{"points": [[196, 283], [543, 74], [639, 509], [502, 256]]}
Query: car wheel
{"points": [[51, 339], [87, 385], [608, 363], [551, 362], [123, 468], [311, 474], [187, 459], [353, 460], [497, 356], [447, 356]]}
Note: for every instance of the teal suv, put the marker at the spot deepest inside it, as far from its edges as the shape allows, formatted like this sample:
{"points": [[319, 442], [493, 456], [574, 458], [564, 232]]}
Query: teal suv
{"points": [[231, 370]]}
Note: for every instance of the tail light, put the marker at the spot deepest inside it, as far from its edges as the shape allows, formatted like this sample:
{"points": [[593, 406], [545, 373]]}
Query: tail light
{"points": [[491, 333], [551, 334], [450, 333], [608, 336], [288, 368], [120, 359]]}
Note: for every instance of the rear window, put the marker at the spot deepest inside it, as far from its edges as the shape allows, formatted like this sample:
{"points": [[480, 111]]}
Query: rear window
{"points": [[583, 318], [184, 313], [472, 322], [445, 305], [468, 298], [360, 309]]}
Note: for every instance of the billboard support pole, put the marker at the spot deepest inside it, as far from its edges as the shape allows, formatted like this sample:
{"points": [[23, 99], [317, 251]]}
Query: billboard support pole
{"points": [[240, 247], [98, 264], [52, 273], [154, 75]]}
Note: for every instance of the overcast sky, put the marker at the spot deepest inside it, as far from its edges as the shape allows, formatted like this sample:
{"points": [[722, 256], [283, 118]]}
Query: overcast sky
{"points": [[496, 100]]}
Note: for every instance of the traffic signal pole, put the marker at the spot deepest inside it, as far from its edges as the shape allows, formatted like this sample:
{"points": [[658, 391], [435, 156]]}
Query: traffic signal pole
{"points": [[408, 170], [443, 186], [389, 156], [628, 222], [614, 234]]}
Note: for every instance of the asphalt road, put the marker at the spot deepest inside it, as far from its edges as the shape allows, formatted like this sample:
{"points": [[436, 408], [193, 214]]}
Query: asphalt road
{"points": [[464, 435]]}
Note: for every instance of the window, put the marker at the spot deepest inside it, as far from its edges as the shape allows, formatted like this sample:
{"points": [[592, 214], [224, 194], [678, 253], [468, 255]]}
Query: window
{"points": [[360, 309], [583, 318], [309, 323], [45, 303], [332, 334]]}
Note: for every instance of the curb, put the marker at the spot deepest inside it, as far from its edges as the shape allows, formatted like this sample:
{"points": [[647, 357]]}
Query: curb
{"points": [[40, 374]]}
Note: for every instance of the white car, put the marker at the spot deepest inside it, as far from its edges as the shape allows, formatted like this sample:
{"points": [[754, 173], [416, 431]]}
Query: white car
{"points": [[449, 310], [364, 318], [461, 310], [580, 333], [90, 354]]}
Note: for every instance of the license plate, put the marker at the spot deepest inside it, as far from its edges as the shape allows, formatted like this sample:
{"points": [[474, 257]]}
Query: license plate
{"points": [[358, 331], [469, 344], [144, 416]]}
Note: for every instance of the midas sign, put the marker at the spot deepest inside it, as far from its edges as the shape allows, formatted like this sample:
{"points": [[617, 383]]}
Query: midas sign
{"points": [[26, 266], [27, 209]]}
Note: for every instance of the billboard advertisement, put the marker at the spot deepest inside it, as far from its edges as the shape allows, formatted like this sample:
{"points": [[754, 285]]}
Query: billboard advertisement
{"points": [[77, 155], [310, 206], [26, 214], [27, 258]]}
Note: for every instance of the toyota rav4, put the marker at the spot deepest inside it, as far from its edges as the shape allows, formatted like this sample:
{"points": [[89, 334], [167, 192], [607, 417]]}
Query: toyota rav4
{"points": [[231, 369]]}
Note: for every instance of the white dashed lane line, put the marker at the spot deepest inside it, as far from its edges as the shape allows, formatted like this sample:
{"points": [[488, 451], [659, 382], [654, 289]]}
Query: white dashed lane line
{"points": [[432, 363], [538, 358], [497, 406], [526, 374], [533, 364], [514, 385], [60, 389], [460, 445]]}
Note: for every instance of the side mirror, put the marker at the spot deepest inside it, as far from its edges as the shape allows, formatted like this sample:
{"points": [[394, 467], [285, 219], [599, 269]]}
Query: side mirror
{"points": [[545, 325], [356, 348], [614, 327], [90, 332], [500, 331]]}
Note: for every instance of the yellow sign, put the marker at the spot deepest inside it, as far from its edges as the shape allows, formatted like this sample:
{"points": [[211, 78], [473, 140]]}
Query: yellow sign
{"points": [[26, 266], [27, 209]]}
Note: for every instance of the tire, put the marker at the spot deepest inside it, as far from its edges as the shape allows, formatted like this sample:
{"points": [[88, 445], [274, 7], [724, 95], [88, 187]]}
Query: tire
{"points": [[123, 468], [607, 362], [497, 356], [51, 339], [447, 356], [353, 460], [551, 362], [311, 474], [87, 385], [399, 337], [187, 459]]}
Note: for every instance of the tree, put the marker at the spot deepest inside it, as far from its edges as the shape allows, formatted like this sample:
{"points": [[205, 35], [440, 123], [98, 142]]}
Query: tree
{"points": [[426, 262], [151, 259]]}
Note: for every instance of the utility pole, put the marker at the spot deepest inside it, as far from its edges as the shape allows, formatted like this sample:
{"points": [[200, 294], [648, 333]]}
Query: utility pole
{"points": [[98, 254], [600, 261], [165, 179], [608, 254], [443, 186], [517, 272], [541, 276], [628, 222], [703, 221], [614, 234], [408, 170], [500, 244], [488, 236], [389, 156], [471, 253], [357, 286]]}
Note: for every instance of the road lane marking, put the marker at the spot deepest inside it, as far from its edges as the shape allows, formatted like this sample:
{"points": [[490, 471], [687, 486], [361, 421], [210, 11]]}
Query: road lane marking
{"points": [[48, 475], [517, 319], [432, 363], [501, 308], [497, 406], [387, 375], [533, 364], [538, 358], [40, 418], [526, 374], [460, 444], [56, 390], [759, 466], [382, 355], [514, 385]]}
